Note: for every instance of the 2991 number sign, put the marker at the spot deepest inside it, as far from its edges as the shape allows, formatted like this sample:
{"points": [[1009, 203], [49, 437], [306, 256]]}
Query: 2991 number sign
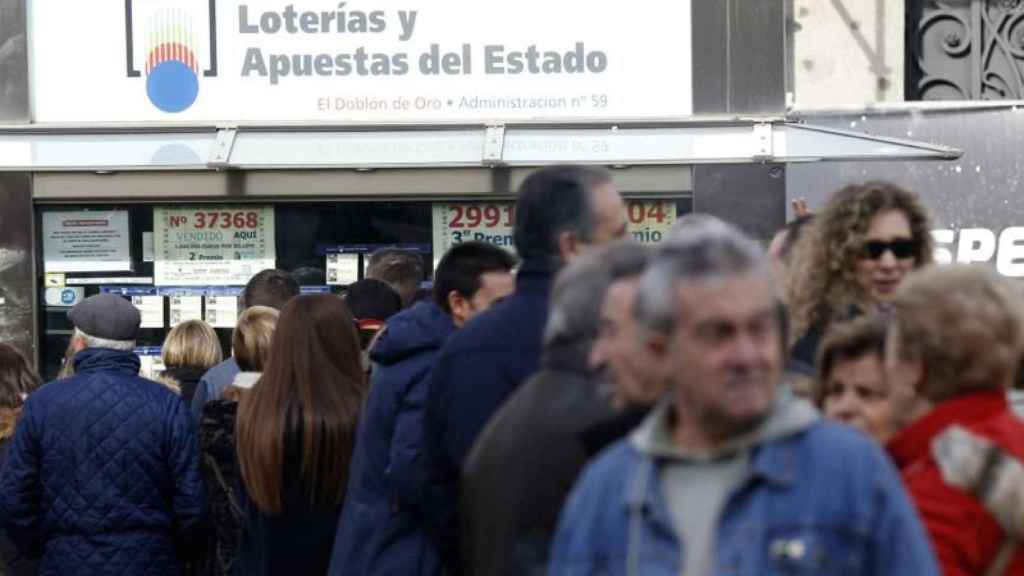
{"points": [[492, 222]]}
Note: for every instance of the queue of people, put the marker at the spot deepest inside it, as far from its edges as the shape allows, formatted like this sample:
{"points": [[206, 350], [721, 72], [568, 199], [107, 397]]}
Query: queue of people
{"points": [[834, 405]]}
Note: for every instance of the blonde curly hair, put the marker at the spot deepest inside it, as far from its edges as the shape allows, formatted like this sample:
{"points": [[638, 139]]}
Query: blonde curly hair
{"points": [[822, 282]]}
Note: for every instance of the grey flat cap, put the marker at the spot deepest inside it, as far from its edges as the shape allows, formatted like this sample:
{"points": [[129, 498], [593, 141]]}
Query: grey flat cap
{"points": [[106, 316]]}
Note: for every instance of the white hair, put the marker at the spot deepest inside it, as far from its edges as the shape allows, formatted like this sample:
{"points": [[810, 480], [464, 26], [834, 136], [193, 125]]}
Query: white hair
{"points": [[97, 342], [579, 291], [708, 249]]}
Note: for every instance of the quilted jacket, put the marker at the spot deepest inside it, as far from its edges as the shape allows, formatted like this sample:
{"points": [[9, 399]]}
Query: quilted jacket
{"points": [[103, 474]]}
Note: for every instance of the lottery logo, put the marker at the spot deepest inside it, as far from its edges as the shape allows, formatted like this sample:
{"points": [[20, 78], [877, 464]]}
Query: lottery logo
{"points": [[172, 39]]}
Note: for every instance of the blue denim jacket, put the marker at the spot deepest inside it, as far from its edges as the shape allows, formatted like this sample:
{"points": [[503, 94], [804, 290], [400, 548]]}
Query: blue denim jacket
{"points": [[823, 501]]}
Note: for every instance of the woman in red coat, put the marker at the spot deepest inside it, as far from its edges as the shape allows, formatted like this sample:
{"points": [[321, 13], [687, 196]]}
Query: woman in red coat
{"points": [[953, 347]]}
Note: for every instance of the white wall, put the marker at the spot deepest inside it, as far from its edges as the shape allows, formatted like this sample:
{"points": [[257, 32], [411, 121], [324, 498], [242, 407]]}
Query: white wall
{"points": [[847, 54]]}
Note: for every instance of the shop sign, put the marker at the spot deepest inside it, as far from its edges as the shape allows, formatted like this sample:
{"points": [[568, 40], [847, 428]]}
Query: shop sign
{"points": [[455, 222], [212, 245], [86, 241], [388, 60]]}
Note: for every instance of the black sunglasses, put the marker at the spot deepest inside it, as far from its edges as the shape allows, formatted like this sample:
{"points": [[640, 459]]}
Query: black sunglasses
{"points": [[901, 249]]}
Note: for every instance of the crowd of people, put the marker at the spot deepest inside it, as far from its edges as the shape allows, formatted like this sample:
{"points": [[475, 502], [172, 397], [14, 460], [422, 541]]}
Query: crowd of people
{"points": [[835, 404]]}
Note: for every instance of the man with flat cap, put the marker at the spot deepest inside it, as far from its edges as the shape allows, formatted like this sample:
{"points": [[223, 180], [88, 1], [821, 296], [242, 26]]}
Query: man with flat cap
{"points": [[102, 476]]}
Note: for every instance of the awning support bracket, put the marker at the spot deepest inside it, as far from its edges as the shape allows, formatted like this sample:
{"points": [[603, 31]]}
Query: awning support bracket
{"points": [[494, 145], [763, 142], [220, 152]]}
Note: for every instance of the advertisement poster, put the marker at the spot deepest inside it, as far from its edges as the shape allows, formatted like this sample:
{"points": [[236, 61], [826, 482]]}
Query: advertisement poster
{"points": [[455, 222], [86, 241], [386, 60], [212, 245]]}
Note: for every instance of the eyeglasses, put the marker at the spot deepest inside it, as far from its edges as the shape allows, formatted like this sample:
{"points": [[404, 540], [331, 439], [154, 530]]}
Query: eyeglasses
{"points": [[902, 249]]}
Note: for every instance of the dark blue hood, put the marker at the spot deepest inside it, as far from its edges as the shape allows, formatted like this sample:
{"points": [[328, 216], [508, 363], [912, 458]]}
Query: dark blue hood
{"points": [[423, 327]]}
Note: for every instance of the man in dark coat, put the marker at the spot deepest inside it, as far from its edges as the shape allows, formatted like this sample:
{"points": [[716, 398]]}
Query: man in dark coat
{"points": [[381, 529], [525, 461], [103, 474], [561, 212]]}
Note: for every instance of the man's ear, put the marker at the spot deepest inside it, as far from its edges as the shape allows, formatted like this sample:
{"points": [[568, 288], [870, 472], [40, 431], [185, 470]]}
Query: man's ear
{"points": [[568, 245], [460, 307], [78, 343]]}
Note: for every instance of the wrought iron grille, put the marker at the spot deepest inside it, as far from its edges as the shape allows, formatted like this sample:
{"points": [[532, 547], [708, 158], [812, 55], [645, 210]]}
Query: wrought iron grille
{"points": [[965, 50]]}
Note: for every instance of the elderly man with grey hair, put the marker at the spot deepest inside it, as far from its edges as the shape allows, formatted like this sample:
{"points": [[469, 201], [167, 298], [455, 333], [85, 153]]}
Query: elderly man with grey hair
{"points": [[102, 476], [727, 475], [524, 462]]}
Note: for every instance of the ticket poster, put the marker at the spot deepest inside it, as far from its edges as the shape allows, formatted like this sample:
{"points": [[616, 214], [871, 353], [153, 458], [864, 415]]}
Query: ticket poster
{"points": [[453, 223], [458, 222], [185, 308], [151, 308], [222, 310], [650, 220], [342, 268], [212, 245], [151, 364]]}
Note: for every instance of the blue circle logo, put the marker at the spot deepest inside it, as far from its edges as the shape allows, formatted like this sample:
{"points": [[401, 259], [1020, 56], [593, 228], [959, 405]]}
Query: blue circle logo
{"points": [[172, 86], [67, 296]]}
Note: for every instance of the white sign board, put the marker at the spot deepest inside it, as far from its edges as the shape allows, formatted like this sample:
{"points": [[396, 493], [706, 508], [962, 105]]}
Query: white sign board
{"points": [[386, 60], [212, 245], [86, 241]]}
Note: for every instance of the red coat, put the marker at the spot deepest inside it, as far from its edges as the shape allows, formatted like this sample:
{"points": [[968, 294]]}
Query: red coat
{"points": [[966, 538]]}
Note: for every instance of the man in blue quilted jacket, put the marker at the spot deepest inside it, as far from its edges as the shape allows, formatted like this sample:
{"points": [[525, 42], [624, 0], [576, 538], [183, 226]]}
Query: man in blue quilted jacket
{"points": [[102, 476]]}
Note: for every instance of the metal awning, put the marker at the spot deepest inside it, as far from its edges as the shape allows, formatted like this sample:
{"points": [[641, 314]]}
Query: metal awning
{"points": [[63, 148]]}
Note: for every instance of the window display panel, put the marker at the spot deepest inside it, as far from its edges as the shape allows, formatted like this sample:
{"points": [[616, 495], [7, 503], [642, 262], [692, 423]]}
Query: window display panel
{"points": [[177, 262]]}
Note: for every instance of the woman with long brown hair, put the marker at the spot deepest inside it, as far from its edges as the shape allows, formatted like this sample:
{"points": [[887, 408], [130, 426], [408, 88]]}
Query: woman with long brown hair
{"points": [[859, 248], [295, 434]]}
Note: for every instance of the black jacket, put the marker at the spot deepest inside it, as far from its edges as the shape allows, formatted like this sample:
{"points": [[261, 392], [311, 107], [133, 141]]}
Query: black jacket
{"points": [[478, 369], [526, 461], [297, 541], [219, 462], [188, 378]]}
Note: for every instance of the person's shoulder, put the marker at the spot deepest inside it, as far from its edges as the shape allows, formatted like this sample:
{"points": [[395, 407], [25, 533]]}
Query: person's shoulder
{"points": [[225, 370], [613, 465], [1005, 429], [837, 452], [504, 326]]}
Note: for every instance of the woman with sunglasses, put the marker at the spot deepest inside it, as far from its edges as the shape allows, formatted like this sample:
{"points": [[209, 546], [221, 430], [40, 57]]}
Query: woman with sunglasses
{"points": [[852, 260]]}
